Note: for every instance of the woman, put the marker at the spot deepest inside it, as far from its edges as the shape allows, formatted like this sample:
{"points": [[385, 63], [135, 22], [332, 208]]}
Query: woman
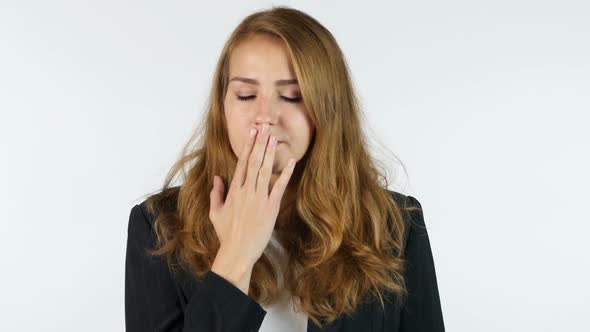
{"points": [[254, 242]]}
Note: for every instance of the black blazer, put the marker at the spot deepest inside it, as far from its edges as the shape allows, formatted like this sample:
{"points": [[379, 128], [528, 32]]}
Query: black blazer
{"points": [[157, 300]]}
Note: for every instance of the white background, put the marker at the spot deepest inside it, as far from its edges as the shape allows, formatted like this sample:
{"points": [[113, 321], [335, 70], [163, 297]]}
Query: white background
{"points": [[485, 102]]}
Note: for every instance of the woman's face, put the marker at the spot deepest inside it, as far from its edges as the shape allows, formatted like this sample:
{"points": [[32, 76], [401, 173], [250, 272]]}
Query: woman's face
{"points": [[260, 71]]}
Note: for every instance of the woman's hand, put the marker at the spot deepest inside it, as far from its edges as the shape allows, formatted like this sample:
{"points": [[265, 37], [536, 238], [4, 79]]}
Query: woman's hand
{"points": [[245, 221]]}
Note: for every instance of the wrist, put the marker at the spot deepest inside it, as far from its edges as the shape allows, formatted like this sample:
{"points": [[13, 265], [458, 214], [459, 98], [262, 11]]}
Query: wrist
{"points": [[233, 270]]}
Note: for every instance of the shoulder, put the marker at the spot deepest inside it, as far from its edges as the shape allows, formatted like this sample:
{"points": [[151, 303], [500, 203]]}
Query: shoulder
{"points": [[403, 199], [410, 206], [413, 216], [143, 215], [148, 209], [140, 214], [140, 225]]}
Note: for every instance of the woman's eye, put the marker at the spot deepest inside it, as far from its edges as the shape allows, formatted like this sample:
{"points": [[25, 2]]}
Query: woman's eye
{"points": [[290, 100]]}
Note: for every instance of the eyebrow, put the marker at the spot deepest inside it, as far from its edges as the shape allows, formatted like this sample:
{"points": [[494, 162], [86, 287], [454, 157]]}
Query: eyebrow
{"points": [[255, 82]]}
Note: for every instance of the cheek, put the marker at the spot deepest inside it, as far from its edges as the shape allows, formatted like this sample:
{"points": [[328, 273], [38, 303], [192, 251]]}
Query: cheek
{"points": [[303, 128], [235, 141], [237, 130]]}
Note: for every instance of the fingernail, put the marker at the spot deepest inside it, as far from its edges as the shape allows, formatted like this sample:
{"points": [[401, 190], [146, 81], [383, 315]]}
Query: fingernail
{"points": [[252, 132], [291, 162]]}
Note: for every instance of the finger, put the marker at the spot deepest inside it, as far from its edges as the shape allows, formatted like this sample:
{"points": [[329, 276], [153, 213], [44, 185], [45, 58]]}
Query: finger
{"points": [[256, 158], [279, 187], [216, 195], [240, 172], [266, 169]]}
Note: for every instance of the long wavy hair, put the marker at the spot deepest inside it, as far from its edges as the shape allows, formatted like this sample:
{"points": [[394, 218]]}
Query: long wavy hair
{"points": [[345, 233]]}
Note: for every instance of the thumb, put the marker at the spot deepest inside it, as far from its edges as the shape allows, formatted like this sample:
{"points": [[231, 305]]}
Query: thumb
{"points": [[216, 194]]}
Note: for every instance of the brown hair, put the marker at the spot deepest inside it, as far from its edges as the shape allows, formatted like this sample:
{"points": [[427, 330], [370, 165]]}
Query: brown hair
{"points": [[345, 235]]}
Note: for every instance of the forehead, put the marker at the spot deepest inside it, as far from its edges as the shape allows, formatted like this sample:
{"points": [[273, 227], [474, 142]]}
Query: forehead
{"points": [[261, 56]]}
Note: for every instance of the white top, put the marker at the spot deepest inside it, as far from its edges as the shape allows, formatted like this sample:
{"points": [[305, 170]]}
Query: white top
{"points": [[282, 316]]}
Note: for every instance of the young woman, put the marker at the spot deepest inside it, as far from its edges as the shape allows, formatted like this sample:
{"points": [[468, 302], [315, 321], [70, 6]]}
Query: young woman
{"points": [[282, 221]]}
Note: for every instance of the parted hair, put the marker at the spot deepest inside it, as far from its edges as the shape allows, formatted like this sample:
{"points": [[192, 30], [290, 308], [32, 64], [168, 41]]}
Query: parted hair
{"points": [[345, 233]]}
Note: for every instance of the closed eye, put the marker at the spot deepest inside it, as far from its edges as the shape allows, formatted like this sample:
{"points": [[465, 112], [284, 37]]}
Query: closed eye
{"points": [[290, 100]]}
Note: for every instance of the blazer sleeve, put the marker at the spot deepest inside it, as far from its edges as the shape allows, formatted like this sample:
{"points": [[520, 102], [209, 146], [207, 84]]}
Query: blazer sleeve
{"points": [[152, 296], [422, 310]]}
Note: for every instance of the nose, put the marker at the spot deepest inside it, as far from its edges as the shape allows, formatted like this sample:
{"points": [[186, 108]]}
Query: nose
{"points": [[266, 113]]}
